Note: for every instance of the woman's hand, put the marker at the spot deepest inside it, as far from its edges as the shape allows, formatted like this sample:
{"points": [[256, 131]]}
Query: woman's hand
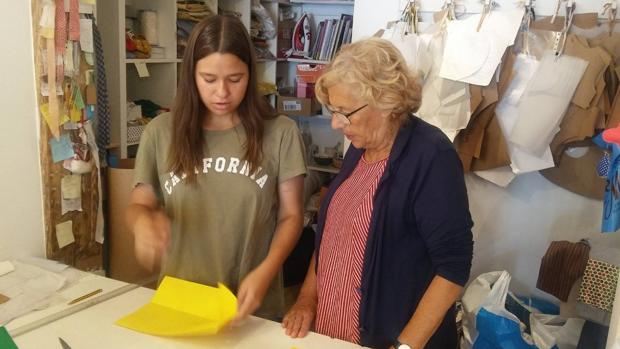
{"points": [[251, 293], [298, 320], [151, 238]]}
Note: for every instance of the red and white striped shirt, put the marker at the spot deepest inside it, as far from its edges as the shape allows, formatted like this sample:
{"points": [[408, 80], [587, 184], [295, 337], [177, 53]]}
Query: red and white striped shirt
{"points": [[341, 255]]}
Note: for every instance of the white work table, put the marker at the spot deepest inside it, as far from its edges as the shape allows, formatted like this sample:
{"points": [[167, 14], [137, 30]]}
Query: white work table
{"points": [[94, 328]]}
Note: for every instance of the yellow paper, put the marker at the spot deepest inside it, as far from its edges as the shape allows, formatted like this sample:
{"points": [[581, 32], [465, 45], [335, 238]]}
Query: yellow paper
{"points": [[183, 308], [76, 115], [64, 118]]}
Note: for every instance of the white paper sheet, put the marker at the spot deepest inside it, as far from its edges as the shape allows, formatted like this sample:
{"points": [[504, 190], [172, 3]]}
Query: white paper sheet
{"points": [[413, 47], [445, 103], [507, 115], [64, 234], [71, 186], [86, 35], [143, 71], [545, 101], [501, 176], [473, 56], [29, 288]]}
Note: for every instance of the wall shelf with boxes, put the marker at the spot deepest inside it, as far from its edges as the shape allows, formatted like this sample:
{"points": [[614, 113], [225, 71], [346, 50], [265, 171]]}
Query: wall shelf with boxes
{"points": [[297, 73], [133, 72], [135, 77]]}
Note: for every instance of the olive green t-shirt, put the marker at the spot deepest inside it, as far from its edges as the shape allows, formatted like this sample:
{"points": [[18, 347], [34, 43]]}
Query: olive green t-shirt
{"points": [[223, 224]]}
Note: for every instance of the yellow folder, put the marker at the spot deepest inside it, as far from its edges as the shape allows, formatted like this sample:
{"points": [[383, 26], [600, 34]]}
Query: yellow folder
{"points": [[183, 308]]}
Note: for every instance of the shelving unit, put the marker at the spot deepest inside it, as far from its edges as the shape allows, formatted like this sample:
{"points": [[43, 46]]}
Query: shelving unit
{"points": [[125, 85], [306, 61]]}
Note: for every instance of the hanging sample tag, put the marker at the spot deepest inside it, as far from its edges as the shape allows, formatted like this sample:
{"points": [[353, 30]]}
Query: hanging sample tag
{"points": [[86, 35], [64, 234], [68, 60], [71, 186], [143, 71], [78, 101], [76, 115], [62, 148], [53, 120], [91, 94]]}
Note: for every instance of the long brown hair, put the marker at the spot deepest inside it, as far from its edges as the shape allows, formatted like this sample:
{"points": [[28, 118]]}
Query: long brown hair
{"points": [[221, 34]]}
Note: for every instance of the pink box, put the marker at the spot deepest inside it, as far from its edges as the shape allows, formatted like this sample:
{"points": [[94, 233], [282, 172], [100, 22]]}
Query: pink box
{"points": [[305, 90]]}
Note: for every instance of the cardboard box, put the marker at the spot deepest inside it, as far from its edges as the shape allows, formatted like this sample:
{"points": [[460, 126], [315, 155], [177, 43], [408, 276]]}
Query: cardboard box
{"points": [[309, 73], [294, 106], [123, 263]]}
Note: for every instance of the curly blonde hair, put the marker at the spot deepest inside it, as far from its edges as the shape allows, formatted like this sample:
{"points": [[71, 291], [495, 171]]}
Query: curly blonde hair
{"points": [[377, 73]]}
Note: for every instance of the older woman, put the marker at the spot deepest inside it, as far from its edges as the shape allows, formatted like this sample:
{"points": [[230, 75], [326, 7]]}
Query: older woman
{"points": [[394, 243]]}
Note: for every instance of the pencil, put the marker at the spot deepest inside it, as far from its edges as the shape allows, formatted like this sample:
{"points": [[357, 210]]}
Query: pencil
{"points": [[81, 298]]}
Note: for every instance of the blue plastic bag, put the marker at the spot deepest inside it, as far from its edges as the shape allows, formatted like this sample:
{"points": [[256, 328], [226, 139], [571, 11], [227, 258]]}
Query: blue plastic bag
{"points": [[611, 203], [498, 332], [486, 322]]}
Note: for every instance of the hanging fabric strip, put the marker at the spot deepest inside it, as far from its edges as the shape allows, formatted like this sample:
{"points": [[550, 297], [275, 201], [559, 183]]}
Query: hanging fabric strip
{"points": [[60, 38], [74, 20], [54, 119], [103, 110], [60, 30], [46, 23], [68, 60]]}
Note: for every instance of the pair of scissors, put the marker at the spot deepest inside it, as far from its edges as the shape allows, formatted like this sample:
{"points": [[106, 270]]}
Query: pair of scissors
{"points": [[64, 344]]}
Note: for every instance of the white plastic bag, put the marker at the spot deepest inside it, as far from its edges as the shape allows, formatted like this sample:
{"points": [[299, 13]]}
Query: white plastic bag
{"points": [[549, 331], [486, 322]]}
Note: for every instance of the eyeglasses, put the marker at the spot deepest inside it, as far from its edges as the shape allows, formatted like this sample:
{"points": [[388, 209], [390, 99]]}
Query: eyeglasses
{"points": [[345, 117]]}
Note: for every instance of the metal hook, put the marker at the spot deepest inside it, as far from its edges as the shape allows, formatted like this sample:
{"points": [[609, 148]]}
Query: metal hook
{"points": [[557, 10], [560, 40], [610, 9], [530, 15]]}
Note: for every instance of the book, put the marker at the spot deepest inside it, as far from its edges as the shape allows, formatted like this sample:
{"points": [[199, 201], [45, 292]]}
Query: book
{"points": [[319, 40], [332, 43], [348, 21], [328, 36]]}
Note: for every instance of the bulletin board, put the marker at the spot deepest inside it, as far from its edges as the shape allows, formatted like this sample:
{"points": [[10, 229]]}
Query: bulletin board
{"points": [[71, 184]]}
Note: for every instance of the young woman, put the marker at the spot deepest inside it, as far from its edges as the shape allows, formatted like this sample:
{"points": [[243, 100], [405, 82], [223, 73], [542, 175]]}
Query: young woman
{"points": [[218, 181]]}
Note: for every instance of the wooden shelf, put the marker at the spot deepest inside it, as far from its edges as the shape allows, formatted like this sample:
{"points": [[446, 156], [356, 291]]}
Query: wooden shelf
{"points": [[323, 2], [307, 61], [154, 60]]}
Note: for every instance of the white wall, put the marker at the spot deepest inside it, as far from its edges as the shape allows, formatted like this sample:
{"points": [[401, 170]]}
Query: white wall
{"points": [[21, 217], [513, 226]]}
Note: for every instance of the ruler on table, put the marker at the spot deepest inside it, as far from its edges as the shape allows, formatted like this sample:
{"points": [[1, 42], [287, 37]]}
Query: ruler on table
{"points": [[77, 308]]}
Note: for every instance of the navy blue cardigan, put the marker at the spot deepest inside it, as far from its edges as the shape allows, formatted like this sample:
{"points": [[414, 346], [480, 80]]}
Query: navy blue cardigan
{"points": [[420, 227]]}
